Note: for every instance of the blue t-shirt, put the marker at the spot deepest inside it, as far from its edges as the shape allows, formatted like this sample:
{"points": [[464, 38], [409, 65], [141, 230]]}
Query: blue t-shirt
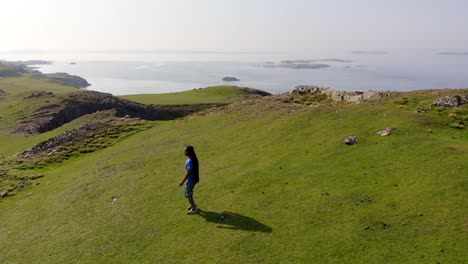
{"points": [[188, 166]]}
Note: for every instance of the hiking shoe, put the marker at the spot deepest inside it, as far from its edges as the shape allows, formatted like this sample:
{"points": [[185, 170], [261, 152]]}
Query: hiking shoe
{"points": [[193, 211]]}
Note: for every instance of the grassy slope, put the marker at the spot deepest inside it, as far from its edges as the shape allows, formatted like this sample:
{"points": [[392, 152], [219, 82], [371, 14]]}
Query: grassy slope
{"points": [[293, 193], [14, 106], [210, 95]]}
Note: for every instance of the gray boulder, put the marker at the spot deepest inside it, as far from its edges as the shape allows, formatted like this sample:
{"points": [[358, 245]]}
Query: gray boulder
{"points": [[452, 101], [387, 131]]}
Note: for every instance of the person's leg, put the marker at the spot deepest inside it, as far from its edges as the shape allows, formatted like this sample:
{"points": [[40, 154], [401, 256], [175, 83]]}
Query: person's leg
{"points": [[192, 202], [189, 195]]}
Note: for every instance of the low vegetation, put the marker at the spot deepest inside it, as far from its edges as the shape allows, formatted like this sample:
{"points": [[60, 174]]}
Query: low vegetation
{"points": [[278, 185]]}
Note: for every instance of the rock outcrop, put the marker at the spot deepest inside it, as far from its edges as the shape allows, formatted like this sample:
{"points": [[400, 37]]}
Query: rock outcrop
{"points": [[452, 101], [81, 103], [65, 138], [335, 95]]}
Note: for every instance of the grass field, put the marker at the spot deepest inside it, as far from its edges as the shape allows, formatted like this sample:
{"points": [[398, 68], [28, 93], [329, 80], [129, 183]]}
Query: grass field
{"points": [[277, 186], [209, 95]]}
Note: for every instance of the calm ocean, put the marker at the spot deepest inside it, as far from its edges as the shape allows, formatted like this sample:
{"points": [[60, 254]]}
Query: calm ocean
{"points": [[143, 73]]}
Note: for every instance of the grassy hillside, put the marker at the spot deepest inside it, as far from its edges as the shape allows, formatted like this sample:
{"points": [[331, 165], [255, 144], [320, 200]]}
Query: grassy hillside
{"points": [[210, 95], [17, 103], [277, 186]]}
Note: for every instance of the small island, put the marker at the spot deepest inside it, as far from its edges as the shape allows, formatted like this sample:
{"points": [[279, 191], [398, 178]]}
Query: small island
{"points": [[363, 52], [230, 79], [295, 65]]}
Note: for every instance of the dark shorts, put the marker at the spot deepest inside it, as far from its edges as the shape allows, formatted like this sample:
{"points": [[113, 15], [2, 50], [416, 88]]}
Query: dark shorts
{"points": [[188, 190]]}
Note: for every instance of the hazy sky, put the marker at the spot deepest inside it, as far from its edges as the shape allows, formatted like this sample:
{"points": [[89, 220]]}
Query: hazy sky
{"points": [[235, 25]]}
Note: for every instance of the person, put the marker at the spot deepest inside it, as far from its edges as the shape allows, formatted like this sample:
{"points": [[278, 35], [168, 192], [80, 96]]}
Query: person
{"points": [[191, 178]]}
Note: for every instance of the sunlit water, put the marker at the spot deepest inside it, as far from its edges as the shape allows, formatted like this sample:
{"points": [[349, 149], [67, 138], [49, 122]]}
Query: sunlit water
{"points": [[135, 73]]}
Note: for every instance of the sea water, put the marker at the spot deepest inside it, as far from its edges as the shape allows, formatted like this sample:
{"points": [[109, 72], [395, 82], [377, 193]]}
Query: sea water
{"points": [[147, 73]]}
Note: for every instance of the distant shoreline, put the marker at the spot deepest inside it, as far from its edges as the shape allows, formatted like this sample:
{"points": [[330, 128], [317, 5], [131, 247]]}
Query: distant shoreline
{"points": [[454, 53]]}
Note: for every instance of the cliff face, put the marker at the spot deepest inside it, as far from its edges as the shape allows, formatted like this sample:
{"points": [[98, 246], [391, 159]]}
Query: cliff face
{"points": [[79, 104]]}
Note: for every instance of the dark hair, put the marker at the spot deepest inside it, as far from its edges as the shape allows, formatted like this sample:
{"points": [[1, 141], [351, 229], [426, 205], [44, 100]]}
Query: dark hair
{"points": [[193, 156]]}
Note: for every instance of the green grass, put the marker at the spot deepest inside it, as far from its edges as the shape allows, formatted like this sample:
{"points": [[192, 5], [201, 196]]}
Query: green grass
{"points": [[291, 192], [15, 105], [210, 95]]}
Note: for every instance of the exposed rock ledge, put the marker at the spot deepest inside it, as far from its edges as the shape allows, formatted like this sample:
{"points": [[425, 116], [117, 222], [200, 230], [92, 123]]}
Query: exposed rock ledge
{"points": [[335, 95], [81, 103]]}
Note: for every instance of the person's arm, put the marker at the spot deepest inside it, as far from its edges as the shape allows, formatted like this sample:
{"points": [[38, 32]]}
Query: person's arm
{"points": [[189, 171]]}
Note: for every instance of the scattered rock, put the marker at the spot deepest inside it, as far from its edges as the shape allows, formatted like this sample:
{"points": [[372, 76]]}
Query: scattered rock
{"points": [[230, 79], [351, 140], [114, 198], [452, 115], [4, 194], [222, 218], [387, 131], [452, 101], [2, 93]]}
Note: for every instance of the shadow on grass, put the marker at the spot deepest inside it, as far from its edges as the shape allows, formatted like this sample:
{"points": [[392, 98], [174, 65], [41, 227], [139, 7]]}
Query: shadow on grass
{"points": [[228, 220]]}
